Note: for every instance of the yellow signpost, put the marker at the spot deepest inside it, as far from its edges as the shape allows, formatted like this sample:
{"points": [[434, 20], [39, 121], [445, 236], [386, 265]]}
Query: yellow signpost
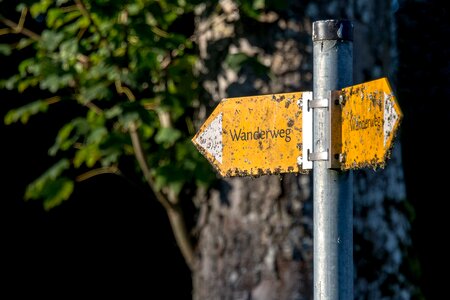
{"points": [[254, 135], [370, 120], [270, 134]]}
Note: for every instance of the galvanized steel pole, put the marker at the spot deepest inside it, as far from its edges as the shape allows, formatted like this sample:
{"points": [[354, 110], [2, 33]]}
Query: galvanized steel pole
{"points": [[332, 191]]}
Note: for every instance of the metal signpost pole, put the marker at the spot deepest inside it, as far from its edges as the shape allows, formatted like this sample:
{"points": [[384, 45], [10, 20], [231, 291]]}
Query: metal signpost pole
{"points": [[332, 191]]}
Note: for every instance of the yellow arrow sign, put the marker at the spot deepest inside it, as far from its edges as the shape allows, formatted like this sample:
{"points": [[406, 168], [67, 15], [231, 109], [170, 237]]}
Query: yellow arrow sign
{"points": [[254, 135], [370, 120]]}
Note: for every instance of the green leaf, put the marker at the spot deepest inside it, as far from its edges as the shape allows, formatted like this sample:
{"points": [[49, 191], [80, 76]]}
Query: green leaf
{"points": [[97, 135], [23, 43], [238, 60], [171, 177], [26, 83], [113, 112], [129, 117], [70, 16], [94, 92], [69, 134], [259, 4], [60, 2], [50, 40], [53, 15], [235, 61], [110, 156], [50, 186], [95, 119], [88, 155], [57, 191], [10, 83], [20, 7], [62, 139], [167, 135], [170, 17], [25, 112], [40, 7], [134, 9], [147, 131], [51, 83], [68, 51], [251, 8], [25, 65], [5, 49]]}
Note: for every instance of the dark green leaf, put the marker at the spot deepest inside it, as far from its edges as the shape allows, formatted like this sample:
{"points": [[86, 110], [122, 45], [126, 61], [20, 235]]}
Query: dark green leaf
{"points": [[167, 135], [235, 61], [5, 49], [57, 191], [50, 40], [50, 83]]}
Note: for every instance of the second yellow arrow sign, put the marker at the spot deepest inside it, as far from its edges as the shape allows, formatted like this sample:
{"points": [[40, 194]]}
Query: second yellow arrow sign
{"points": [[370, 120]]}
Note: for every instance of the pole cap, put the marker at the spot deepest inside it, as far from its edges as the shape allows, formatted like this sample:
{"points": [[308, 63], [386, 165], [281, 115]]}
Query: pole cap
{"points": [[332, 30]]}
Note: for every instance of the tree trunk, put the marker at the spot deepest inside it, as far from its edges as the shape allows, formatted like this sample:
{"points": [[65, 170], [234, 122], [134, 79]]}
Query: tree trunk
{"points": [[255, 234]]}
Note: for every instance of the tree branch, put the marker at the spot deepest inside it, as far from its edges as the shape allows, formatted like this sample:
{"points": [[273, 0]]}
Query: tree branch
{"points": [[94, 107], [124, 90], [173, 209], [82, 7], [18, 27]]}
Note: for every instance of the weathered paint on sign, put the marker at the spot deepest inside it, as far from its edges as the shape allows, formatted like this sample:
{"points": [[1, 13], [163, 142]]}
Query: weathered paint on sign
{"points": [[253, 135], [370, 120]]}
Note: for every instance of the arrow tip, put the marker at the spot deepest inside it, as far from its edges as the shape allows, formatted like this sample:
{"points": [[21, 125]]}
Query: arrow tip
{"points": [[391, 118], [209, 139]]}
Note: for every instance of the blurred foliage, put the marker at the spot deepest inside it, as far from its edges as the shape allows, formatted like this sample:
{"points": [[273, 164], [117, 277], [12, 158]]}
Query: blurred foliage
{"points": [[126, 64]]}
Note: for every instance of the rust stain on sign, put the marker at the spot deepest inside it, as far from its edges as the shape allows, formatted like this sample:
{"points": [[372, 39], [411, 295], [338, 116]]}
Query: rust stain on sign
{"points": [[253, 135], [370, 120]]}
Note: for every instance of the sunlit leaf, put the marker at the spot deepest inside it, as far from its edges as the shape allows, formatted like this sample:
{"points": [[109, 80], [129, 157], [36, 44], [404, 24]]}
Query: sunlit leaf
{"points": [[87, 155], [40, 7], [50, 186], [53, 15], [25, 112]]}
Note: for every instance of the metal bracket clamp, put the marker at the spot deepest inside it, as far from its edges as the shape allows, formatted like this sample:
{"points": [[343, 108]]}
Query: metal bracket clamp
{"points": [[315, 156], [318, 103], [307, 131], [335, 132], [332, 155]]}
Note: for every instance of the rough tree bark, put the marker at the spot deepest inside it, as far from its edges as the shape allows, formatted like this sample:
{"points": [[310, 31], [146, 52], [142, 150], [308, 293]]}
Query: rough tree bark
{"points": [[255, 234]]}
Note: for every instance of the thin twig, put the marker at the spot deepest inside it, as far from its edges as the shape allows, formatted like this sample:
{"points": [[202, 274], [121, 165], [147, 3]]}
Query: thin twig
{"points": [[23, 16], [98, 171], [20, 29], [124, 90], [94, 107], [52, 100]]}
